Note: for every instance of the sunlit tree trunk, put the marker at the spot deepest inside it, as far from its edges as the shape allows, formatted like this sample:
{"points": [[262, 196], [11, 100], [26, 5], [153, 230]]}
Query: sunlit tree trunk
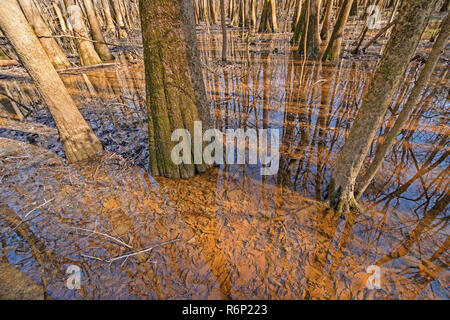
{"points": [[310, 34], [413, 18], [326, 21], [212, 10], [109, 21], [77, 138], [408, 108], [119, 18], [86, 50], [333, 49], [51, 47], [59, 15], [268, 21], [300, 26], [297, 11], [100, 45], [176, 95]]}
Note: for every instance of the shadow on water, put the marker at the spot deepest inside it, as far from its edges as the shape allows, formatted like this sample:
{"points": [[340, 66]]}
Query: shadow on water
{"points": [[229, 233]]}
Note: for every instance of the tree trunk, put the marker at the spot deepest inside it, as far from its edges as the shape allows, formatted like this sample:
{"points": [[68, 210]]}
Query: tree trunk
{"points": [[312, 33], [86, 50], [176, 95], [100, 45], [119, 18], [110, 27], [41, 29], [59, 15], [78, 140], [326, 21], [409, 106], [268, 21], [333, 49], [224, 30], [412, 20]]}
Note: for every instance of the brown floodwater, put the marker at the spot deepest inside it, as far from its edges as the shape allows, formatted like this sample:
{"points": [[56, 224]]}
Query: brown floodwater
{"points": [[229, 233]]}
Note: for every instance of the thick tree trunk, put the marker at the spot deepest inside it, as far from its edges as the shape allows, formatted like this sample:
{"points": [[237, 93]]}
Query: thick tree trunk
{"points": [[86, 50], [78, 140], [176, 95], [41, 29], [412, 20], [100, 45], [333, 49], [409, 106], [312, 33]]}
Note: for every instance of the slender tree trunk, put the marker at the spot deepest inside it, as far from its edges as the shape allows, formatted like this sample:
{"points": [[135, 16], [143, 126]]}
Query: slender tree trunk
{"points": [[268, 21], [301, 22], [119, 18], [110, 27], [333, 49], [409, 106], [212, 10], [100, 45], [176, 95], [86, 50], [224, 30], [41, 29], [412, 20], [354, 9], [297, 12], [312, 33], [326, 21], [78, 140], [59, 15]]}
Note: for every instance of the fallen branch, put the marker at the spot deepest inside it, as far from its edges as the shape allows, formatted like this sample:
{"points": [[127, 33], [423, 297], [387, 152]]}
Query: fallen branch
{"points": [[379, 34], [31, 211], [143, 250], [105, 235]]}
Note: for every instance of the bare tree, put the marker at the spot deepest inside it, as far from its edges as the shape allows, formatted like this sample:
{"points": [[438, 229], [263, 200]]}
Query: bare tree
{"points": [[78, 140]]}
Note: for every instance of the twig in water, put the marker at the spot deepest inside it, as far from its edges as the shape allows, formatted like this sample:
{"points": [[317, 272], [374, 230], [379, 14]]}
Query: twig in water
{"points": [[105, 235], [143, 250], [31, 211]]}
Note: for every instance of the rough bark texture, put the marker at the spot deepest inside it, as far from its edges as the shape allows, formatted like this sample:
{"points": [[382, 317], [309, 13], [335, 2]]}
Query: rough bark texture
{"points": [[333, 49], [409, 106], [100, 45], [176, 94], [41, 29], [77, 138], [412, 20]]}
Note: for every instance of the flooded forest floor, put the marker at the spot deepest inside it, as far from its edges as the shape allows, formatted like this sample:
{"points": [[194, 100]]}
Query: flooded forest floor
{"points": [[229, 233]]}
